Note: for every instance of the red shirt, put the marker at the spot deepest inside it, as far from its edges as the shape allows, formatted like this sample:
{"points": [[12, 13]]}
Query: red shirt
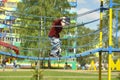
{"points": [[56, 28]]}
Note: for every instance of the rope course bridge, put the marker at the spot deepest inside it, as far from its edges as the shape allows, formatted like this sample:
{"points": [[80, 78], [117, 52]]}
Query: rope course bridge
{"points": [[93, 42], [74, 41]]}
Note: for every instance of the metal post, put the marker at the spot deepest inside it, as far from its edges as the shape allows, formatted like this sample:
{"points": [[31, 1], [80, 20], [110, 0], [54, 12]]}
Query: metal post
{"points": [[100, 38], [110, 39], [40, 33], [100, 65]]}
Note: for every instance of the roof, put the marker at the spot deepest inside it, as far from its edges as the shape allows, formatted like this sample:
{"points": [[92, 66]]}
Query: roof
{"points": [[14, 0]]}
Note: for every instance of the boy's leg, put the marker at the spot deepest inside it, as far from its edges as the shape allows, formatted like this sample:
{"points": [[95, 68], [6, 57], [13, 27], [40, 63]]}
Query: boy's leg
{"points": [[54, 48], [58, 47], [55, 51]]}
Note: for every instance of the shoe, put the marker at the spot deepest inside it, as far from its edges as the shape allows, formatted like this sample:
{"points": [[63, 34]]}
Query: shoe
{"points": [[59, 55], [53, 55]]}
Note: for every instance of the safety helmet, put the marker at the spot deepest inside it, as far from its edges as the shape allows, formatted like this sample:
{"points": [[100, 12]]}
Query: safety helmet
{"points": [[66, 20]]}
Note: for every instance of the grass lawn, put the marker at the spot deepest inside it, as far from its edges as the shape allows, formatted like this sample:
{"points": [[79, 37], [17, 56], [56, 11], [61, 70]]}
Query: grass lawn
{"points": [[53, 75]]}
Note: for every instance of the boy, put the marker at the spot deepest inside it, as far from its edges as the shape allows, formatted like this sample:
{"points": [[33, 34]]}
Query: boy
{"points": [[54, 35]]}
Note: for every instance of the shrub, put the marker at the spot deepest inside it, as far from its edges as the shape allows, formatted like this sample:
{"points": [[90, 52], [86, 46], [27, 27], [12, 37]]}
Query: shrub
{"points": [[37, 75]]}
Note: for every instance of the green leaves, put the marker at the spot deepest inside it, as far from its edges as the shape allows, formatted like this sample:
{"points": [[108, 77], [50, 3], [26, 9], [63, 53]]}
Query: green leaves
{"points": [[35, 17]]}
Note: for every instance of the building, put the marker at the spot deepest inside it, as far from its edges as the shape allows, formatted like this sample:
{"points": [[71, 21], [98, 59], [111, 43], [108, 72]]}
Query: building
{"points": [[7, 8]]}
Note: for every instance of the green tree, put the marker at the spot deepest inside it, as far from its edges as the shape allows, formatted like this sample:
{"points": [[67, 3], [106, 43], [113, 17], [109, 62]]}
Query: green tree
{"points": [[36, 17]]}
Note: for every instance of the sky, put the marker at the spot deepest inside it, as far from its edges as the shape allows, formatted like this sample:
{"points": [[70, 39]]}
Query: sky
{"points": [[85, 6]]}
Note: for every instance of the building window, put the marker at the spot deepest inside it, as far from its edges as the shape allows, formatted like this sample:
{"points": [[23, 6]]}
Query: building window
{"points": [[11, 4], [11, 39]]}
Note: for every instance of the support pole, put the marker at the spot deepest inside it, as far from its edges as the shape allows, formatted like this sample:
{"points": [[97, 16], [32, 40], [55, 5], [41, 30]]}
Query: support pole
{"points": [[100, 65], [110, 40], [100, 38]]}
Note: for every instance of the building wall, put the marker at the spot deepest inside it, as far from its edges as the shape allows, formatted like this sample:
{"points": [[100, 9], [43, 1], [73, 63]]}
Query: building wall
{"points": [[6, 10]]}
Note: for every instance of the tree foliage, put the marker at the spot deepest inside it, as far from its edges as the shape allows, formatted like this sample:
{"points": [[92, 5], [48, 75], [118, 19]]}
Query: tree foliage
{"points": [[35, 18]]}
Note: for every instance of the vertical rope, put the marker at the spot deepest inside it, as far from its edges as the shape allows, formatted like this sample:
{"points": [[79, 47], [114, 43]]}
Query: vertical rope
{"points": [[116, 29]]}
